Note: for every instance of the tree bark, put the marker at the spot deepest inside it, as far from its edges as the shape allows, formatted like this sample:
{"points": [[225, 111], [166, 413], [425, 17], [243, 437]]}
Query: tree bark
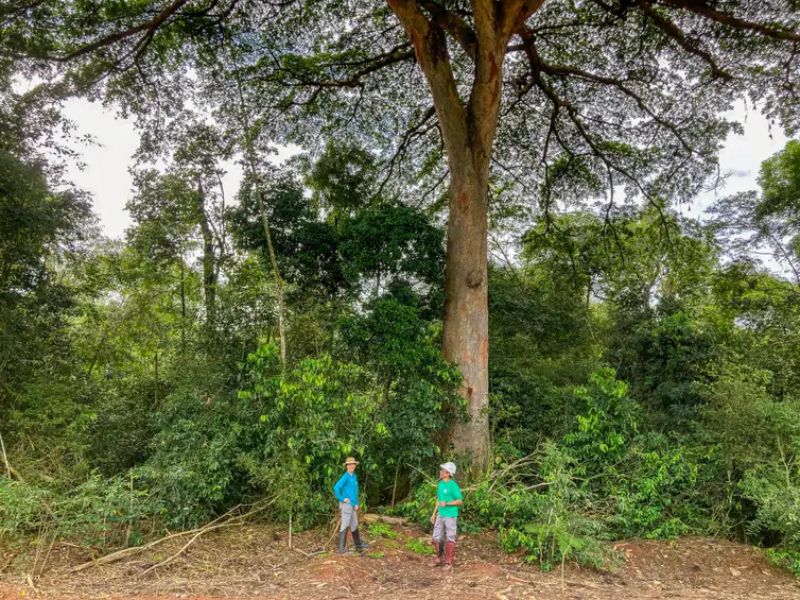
{"points": [[465, 336], [468, 130]]}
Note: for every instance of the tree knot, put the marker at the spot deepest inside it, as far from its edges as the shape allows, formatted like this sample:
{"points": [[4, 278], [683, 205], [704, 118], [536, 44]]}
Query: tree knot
{"points": [[474, 278]]}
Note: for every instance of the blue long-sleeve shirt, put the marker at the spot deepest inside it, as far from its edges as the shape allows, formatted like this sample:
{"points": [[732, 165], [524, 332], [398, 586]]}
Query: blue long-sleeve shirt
{"points": [[347, 487]]}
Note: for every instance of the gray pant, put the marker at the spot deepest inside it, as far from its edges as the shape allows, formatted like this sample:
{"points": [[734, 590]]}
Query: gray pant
{"points": [[349, 516], [444, 525]]}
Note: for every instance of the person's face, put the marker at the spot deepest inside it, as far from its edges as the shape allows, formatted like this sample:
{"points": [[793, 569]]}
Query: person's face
{"points": [[351, 467], [444, 474]]}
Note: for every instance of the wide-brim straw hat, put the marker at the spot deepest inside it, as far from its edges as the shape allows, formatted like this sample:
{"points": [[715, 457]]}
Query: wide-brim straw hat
{"points": [[350, 461]]}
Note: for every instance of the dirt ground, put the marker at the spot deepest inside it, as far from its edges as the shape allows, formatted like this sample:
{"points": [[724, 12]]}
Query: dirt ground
{"points": [[253, 562]]}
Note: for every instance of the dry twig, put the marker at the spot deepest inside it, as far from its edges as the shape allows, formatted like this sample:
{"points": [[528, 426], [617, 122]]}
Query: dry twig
{"points": [[222, 521]]}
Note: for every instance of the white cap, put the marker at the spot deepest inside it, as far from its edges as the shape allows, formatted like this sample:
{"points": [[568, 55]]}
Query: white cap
{"points": [[449, 467]]}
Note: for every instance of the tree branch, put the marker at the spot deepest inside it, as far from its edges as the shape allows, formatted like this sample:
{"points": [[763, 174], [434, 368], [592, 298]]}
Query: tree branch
{"points": [[430, 47], [454, 25], [375, 63], [148, 26], [691, 46], [513, 15], [569, 71], [565, 70], [412, 133], [704, 9], [537, 67]]}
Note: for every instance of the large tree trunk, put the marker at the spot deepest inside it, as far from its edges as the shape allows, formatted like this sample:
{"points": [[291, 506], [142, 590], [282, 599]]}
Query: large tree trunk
{"points": [[466, 313], [468, 130]]}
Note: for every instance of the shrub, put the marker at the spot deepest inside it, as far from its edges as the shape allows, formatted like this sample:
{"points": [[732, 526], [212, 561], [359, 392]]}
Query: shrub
{"points": [[607, 422], [753, 442], [419, 547], [310, 420], [654, 492], [788, 560], [99, 512], [537, 503], [382, 530], [21, 507], [554, 525], [776, 495]]}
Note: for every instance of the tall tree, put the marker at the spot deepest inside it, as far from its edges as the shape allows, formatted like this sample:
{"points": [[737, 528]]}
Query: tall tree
{"points": [[626, 91], [185, 203], [748, 222], [43, 227]]}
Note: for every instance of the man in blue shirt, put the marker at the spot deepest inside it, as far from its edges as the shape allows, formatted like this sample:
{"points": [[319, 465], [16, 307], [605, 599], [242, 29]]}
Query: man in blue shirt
{"points": [[346, 490]]}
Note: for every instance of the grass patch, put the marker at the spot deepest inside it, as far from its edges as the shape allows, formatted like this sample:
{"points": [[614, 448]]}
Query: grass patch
{"points": [[379, 529], [419, 547], [787, 560]]}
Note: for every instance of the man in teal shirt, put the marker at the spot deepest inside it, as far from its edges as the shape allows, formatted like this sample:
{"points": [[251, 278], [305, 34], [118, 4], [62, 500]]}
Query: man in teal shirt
{"points": [[346, 490], [445, 516]]}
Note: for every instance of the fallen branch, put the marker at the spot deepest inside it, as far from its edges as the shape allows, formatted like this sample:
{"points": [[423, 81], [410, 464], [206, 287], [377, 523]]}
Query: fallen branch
{"points": [[369, 518], [196, 533], [8, 562], [309, 554], [120, 554], [187, 544], [5, 458], [587, 584], [10, 471], [521, 580]]}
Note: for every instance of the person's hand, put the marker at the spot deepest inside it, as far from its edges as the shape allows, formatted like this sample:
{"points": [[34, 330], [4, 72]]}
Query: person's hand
{"points": [[442, 503], [347, 500], [356, 507]]}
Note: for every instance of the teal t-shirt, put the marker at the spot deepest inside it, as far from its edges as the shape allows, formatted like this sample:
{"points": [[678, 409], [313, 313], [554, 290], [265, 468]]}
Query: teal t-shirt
{"points": [[447, 492]]}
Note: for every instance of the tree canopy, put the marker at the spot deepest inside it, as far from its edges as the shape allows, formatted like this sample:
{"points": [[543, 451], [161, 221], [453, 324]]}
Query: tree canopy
{"points": [[475, 106]]}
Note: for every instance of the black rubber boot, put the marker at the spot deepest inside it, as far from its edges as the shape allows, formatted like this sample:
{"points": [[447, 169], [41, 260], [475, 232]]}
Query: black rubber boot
{"points": [[342, 549], [438, 551], [360, 544]]}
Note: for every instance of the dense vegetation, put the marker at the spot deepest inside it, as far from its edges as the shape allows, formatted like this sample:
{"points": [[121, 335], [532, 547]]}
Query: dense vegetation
{"points": [[643, 368], [644, 381]]}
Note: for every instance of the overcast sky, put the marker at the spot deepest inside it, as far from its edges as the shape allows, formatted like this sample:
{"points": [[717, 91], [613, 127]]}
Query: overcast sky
{"points": [[106, 176]]}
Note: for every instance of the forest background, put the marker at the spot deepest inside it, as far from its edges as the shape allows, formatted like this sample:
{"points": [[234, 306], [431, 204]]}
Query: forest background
{"points": [[236, 345]]}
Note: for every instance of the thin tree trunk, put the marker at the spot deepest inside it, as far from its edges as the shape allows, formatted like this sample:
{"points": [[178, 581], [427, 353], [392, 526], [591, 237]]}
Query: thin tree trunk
{"points": [[273, 258], [155, 371], [5, 458], [183, 290], [276, 273], [209, 259], [183, 299]]}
